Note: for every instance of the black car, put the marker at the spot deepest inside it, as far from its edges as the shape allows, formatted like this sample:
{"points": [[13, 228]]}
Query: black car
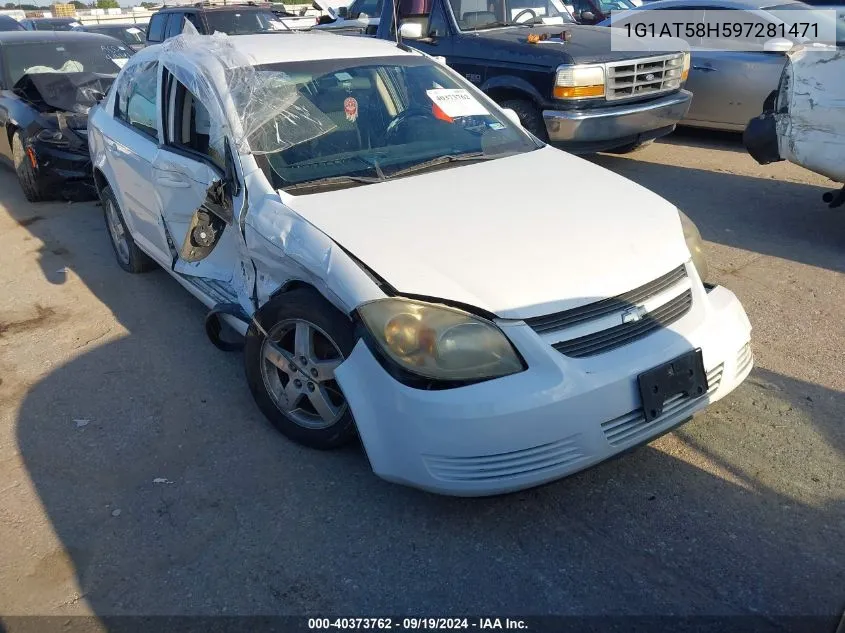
{"points": [[130, 34], [50, 24], [10, 24], [49, 81], [231, 19]]}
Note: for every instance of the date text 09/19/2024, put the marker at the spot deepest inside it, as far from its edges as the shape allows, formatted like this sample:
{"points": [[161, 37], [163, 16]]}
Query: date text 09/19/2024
{"points": [[417, 624]]}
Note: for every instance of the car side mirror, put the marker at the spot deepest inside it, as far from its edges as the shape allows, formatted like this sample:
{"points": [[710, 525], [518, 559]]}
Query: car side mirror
{"points": [[588, 16], [513, 117], [777, 45], [411, 30], [342, 12]]}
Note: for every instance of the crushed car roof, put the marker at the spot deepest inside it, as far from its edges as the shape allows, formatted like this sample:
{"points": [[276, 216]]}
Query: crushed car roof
{"points": [[293, 47]]}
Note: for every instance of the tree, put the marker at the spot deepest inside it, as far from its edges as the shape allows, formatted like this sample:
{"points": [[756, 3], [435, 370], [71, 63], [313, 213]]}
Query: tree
{"points": [[78, 4], [106, 4], [150, 5]]}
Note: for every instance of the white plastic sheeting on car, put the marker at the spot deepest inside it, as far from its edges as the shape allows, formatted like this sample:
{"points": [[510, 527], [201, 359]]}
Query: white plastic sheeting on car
{"points": [[811, 107], [260, 110]]}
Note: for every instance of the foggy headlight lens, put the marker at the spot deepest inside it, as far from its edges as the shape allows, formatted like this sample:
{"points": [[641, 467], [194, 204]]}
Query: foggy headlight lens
{"points": [[694, 244], [53, 137], [439, 342]]}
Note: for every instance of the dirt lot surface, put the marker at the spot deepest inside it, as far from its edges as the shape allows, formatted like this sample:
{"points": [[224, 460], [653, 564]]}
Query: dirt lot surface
{"points": [[138, 477]]}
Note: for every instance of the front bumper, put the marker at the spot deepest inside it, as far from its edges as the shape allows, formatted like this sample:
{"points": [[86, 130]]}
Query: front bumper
{"points": [[616, 126], [65, 171], [558, 417]]}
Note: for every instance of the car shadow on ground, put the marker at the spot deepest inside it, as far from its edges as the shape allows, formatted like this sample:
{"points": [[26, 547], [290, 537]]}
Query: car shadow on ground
{"points": [[773, 217], [171, 495], [705, 139]]}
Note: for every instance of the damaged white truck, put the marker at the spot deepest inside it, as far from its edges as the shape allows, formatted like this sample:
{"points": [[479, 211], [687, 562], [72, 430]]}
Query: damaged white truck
{"points": [[803, 121], [355, 209]]}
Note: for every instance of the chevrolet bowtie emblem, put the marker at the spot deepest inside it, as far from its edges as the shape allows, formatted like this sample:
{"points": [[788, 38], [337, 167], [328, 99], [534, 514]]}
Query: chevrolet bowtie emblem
{"points": [[632, 315]]}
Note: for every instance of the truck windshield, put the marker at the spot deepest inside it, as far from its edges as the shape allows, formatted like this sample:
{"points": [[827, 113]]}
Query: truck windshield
{"points": [[476, 15], [243, 22], [348, 122]]}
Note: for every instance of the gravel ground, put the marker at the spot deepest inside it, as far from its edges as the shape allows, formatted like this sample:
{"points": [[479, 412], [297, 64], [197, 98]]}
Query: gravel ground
{"points": [[138, 477]]}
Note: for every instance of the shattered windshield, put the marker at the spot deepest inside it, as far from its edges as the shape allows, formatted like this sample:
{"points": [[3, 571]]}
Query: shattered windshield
{"points": [[63, 57], [370, 120], [476, 15]]}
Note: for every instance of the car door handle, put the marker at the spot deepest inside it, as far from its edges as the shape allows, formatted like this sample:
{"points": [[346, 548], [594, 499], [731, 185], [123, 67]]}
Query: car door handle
{"points": [[707, 69], [172, 180]]}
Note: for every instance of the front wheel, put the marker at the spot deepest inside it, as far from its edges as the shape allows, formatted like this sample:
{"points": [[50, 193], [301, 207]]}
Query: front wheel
{"points": [[130, 258], [25, 170], [530, 117], [290, 370]]}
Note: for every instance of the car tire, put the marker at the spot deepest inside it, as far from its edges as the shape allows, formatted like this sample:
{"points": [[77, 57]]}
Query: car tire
{"points": [[129, 257], [630, 147], [530, 117], [27, 176], [305, 404]]}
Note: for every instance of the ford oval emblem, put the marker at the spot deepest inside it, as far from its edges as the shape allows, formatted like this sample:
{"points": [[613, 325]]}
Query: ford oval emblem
{"points": [[649, 77]]}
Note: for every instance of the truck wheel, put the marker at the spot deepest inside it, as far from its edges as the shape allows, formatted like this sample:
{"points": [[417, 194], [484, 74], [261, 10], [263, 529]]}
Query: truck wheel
{"points": [[130, 258], [529, 116], [27, 176], [630, 147], [290, 371]]}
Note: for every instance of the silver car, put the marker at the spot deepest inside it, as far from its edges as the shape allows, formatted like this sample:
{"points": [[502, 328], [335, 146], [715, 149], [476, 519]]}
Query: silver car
{"points": [[730, 86]]}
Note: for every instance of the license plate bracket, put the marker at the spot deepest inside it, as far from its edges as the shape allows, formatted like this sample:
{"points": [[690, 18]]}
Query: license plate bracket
{"points": [[682, 375]]}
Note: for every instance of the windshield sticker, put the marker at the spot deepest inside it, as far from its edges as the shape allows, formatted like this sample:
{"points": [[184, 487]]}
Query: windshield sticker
{"points": [[120, 62], [343, 76], [133, 30], [75, 24], [495, 125], [454, 103], [350, 109]]}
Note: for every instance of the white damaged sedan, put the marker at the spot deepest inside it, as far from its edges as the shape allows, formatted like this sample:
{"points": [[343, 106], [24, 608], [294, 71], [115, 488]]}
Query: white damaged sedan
{"points": [[369, 221]]}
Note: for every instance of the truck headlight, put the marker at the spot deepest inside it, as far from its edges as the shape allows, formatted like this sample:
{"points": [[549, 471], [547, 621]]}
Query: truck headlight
{"points": [[439, 342], [695, 245], [685, 67], [579, 82]]}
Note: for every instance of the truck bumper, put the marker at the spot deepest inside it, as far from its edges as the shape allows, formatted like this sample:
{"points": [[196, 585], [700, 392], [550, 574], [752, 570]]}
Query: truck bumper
{"points": [[617, 126]]}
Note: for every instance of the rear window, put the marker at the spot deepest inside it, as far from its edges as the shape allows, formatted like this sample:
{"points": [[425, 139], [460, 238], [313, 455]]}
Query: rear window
{"points": [[243, 22], [155, 31]]}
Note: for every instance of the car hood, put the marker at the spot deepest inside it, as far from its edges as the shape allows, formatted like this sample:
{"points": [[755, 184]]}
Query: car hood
{"points": [[520, 236], [587, 44], [73, 92]]}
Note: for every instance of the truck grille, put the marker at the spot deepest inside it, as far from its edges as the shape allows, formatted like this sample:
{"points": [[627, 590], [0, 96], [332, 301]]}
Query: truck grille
{"points": [[620, 333], [644, 77]]}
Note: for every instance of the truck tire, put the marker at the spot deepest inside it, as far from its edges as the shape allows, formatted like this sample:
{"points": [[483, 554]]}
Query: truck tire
{"points": [[630, 147], [27, 176], [296, 391], [530, 117]]}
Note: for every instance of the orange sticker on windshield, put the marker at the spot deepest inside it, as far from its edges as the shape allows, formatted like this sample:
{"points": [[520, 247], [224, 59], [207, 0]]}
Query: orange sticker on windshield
{"points": [[439, 114], [350, 109]]}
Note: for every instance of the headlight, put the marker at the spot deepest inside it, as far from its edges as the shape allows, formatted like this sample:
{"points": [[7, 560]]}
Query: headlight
{"points": [[439, 342], [579, 82], [685, 68], [52, 137], [694, 244]]}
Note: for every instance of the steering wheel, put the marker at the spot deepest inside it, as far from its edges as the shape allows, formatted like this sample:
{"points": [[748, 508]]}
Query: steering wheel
{"points": [[403, 117], [519, 15]]}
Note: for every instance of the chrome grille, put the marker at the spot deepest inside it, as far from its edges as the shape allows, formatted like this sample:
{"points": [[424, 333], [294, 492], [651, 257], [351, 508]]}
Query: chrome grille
{"points": [[534, 460], [633, 426], [567, 318], [644, 77]]}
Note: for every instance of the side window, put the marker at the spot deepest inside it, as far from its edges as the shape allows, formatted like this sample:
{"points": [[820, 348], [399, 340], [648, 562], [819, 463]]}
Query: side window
{"points": [[194, 19], [136, 98], [174, 24], [190, 127], [155, 30], [366, 8], [432, 19]]}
